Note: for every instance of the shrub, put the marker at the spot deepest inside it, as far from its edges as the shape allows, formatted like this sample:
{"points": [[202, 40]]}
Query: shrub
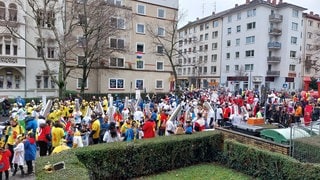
{"points": [[265, 164], [123, 160], [307, 149]]}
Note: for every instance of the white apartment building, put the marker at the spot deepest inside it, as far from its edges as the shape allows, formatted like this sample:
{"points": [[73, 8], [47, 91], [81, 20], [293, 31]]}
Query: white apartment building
{"points": [[311, 46], [260, 45], [200, 48], [22, 71], [141, 64]]}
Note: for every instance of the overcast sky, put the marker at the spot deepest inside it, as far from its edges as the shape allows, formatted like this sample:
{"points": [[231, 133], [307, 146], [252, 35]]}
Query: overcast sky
{"points": [[202, 8]]}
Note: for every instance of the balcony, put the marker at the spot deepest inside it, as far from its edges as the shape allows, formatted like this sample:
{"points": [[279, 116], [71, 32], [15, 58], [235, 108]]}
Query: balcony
{"points": [[273, 59], [275, 18], [274, 45], [273, 73], [12, 61], [275, 32]]}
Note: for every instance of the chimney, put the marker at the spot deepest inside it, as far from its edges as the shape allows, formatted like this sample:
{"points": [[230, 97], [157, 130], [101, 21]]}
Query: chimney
{"points": [[317, 15], [236, 5], [213, 13], [311, 12], [280, 2], [247, 1], [274, 2], [197, 18]]}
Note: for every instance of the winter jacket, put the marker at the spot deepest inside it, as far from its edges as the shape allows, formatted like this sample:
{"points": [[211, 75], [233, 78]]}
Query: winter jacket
{"points": [[30, 149]]}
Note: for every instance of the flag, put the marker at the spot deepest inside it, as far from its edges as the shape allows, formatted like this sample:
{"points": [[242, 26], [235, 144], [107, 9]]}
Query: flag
{"points": [[139, 55]]}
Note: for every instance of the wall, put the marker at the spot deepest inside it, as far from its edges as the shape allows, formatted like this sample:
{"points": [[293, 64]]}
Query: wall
{"points": [[255, 141]]}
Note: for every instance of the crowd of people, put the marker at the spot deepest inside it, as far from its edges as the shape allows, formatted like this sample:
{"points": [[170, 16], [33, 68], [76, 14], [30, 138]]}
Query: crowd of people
{"points": [[75, 122]]}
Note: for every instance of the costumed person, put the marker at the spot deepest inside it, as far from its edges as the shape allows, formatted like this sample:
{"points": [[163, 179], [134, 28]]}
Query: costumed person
{"points": [[125, 126], [18, 156], [149, 128], [5, 155], [199, 124], [132, 133], [180, 130], [44, 137], [30, 149], [105, 105], [170, 128], [57, 133], [112, 134], [77, 140], [62, 147], [95, 129], [12, 132]]}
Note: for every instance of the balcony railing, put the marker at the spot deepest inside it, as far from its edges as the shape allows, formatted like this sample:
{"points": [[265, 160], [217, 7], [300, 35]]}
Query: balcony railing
{"points": [[274, 45], [273, 73], [275, 32], [273, 59], [275, 18]]}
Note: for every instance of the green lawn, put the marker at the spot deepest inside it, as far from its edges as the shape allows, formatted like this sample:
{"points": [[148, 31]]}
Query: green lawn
{"points": [[201, 171]]}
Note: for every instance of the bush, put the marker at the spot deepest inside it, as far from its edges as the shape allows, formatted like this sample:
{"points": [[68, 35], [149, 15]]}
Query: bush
{"points": [[265, 164], [307, 149], [123, 160]]}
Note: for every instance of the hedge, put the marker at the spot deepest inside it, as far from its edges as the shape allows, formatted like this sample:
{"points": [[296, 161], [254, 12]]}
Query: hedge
{"points": [[124, 160], [307, 149], [266, 165]]}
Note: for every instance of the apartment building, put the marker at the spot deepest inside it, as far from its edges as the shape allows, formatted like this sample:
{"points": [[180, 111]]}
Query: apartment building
{"points": [[136, 61], [22, 71], [260, 45], [311, 46], [200, 47]]}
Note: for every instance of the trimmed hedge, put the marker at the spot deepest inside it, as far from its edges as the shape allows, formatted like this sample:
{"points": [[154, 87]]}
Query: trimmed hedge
{"points": [[124, 160], [265, 164], [307, 149]]}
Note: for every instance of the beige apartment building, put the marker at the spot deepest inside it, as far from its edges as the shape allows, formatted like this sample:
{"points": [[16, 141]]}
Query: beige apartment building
{"points": [[133, 60]]}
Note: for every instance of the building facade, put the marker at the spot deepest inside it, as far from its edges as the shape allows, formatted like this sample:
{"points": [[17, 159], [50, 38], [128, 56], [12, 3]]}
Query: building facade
{"points": [[260, 45], [136, 60]]}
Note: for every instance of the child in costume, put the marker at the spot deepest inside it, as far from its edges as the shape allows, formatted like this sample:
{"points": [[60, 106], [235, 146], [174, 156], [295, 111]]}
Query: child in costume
{"points": [[4, 161], [30, 149], [18, 157]]}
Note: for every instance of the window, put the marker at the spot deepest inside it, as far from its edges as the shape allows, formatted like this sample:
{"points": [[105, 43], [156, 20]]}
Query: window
{"points": [[8, 48], [251, 25], [115, 2], [81, 60], [160, 66], [117, 23], [248, 67], [45, 20], [207, 25], [293, 54], [293, 40], [201, 37], [205, 70], [238, 42], [206, 47], [82, 41], [141, 9], [116, 83], [139, 64], [161, 13], [229, 19], [292, 67], [250, 53], [229, 30], [80, 81], [309, 34], [294, 26], [2, 11], [206, 36], [140, 47], [215, 24], [46, 82], [40, 52], [17, 81], [139, 84], [38, 81], [228, 43], [237, 54], [213, 69], [160, 49], [161, 31], [1, 48], [205, 59], [238, 28], [308, 47], [236, 67], [227, 68], [140, 28], [214, 34], [295, 13], [310, 22], [12, 12], [251, 13], [117, 43], [239, 16], [214, 57], [159, 84], [228, 55], [15, 50], [116, 62], [83, 20], [214, 46], [50, 52], [250, 39], [201, 27]]}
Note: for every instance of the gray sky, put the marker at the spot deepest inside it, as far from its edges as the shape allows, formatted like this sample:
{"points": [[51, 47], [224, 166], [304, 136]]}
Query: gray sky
{"points": [[201, 8]]}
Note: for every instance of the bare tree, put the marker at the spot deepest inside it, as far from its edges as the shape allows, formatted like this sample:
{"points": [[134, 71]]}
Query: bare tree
{"points": [[312, 59], [75, 28]]}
